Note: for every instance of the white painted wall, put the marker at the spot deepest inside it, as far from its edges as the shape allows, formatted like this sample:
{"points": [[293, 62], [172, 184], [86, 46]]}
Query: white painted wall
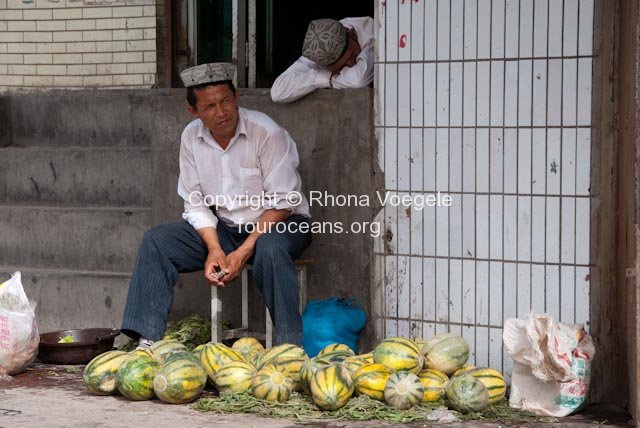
{"points": [[488, 101]]}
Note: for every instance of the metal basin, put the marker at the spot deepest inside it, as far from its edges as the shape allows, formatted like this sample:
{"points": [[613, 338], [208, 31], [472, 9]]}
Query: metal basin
{"points": [[87, 344]]}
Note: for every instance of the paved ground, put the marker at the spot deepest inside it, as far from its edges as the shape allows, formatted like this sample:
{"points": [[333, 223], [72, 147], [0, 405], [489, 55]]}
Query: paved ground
{"points": [[54, 397]]}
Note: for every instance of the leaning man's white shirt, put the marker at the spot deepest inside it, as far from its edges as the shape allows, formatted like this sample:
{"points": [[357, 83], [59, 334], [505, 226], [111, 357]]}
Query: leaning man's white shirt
{"points": [[305, 76], [260, 159]]}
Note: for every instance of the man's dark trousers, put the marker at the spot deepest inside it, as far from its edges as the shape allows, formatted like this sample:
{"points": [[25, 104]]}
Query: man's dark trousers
{"points": [[170, 249]]}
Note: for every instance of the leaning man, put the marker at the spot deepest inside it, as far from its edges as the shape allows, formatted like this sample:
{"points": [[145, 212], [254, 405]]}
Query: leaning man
{"points": [[230, 158], [335, 54]]}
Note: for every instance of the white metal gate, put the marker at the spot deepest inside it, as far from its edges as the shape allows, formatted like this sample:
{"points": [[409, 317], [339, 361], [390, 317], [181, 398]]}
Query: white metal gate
{"points": [[488, 101]]}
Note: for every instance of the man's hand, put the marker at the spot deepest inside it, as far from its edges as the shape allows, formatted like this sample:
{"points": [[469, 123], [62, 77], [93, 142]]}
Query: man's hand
{"points": [[215, 268], [236, 261]]}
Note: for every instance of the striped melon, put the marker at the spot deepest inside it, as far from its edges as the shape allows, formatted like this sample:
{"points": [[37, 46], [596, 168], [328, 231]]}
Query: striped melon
{"points": [[353, 363], [255, 360], [399, 354], [292, 366], [183, 355], [163, 348], [234, 377], [284, 350], [331, 387], [247, 347], [142, 352], [336, 357], [467, 394], [463, 369], [179, 381], [135, 378], [368, 357], [403, 390], [271, 384], [434, 382], [335, 347], [216, 355], [198, 350], [420, 342], [100, 374], [307, 371], [435, 340], [371, 379], [446, 352], [493, 380]]}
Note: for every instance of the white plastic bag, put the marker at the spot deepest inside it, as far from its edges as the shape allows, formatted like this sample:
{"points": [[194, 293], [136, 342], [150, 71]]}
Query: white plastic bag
{"points": [[552, 366], [19, 337]]}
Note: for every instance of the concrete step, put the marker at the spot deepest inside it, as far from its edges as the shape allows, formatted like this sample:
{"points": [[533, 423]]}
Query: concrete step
{"points": [[76, 176], [87, 118], [73, 299], [74, 238]]}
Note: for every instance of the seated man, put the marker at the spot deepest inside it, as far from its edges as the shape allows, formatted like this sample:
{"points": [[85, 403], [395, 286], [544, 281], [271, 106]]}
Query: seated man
{"points": [[335, 54], [237, 168]]}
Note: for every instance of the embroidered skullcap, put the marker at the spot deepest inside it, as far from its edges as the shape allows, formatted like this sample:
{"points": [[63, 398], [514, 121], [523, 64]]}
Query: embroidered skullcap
{"points": [[325, 41], [207, 73]]}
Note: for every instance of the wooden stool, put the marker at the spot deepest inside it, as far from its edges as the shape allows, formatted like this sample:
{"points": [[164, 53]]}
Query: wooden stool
{"points": [[217, 335]]}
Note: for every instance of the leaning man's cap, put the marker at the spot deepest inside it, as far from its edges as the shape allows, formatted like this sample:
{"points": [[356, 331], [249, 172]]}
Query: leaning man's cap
{"points": [[325, 41], [207, 73]]}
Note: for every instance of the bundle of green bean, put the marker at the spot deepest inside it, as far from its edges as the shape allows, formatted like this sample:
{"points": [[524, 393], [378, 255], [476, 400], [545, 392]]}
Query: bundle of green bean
{"points": [[362, 408], [191, 331]]}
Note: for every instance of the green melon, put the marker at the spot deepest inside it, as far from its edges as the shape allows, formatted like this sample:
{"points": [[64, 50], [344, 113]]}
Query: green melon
{"points": [[272, 384], [399, 354], [135, 378], [284, 350], [466, 394], [292, 365], [371, 379], [248, 347], [307, 370], [234, 377], [164, 348], [183, 355], [216, 355], [492, 379], [335, 347], [336, 357], [100, 374], [403, 390], [434, 382], [446, 352], [331, 387], [179, 381], [354, 363]]}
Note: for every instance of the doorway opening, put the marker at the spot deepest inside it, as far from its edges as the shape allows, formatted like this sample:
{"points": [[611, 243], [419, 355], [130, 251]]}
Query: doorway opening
{"points": [[282, 24]]}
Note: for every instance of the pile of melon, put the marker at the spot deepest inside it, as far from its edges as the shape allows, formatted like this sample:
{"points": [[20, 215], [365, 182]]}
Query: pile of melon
{"points": [[400, 372]]}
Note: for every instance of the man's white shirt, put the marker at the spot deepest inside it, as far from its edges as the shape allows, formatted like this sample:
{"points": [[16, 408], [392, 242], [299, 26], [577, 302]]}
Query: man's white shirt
{"points": [[260, 160], [305, 76]]}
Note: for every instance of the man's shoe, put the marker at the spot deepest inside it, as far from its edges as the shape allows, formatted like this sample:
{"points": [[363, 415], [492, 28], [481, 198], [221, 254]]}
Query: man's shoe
{"points": [[144, 343]]}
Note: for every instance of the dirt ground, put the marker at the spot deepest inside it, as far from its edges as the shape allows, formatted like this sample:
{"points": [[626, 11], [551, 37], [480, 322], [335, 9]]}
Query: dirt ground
{"points": [[55, 397]]}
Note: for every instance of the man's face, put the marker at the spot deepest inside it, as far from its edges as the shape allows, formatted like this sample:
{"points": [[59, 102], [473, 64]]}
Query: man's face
{"points": [[350, 55], [217, 107]]}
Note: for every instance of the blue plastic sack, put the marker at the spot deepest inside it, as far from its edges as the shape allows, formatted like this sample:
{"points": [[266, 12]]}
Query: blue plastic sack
{"points": [[335, 320]]}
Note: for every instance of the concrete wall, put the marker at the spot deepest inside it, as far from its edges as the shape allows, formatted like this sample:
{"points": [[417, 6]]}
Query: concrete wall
{"points": [[336, 150], [78, 43], [78, 189]]}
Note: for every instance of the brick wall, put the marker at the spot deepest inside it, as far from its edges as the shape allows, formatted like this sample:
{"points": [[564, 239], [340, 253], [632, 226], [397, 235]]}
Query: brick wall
{"points": [[77, 43]]}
